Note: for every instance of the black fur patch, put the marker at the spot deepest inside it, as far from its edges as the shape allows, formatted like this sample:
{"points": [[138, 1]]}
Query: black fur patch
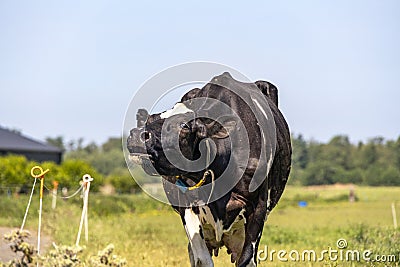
{"points": [[201, 232], [196, 210]]}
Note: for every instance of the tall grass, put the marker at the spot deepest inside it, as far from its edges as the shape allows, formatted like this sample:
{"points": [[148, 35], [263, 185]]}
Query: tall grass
{"points": [[149, 233]]}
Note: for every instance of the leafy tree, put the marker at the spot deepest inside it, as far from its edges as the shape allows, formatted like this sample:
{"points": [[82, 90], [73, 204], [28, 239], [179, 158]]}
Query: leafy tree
{"points": [[318, 173], [56, 141], [300, 152], [397, 152], [338, 152], [375, 163], [105, 159], [369, 154], [107, 162], [91, 148], [112, 144]]}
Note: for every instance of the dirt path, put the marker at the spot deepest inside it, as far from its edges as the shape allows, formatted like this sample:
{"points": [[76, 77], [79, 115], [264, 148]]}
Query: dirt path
{"points": [[5, 252]]}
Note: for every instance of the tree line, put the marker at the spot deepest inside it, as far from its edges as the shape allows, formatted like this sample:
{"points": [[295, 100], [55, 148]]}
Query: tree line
{"points": [[375, 162]]}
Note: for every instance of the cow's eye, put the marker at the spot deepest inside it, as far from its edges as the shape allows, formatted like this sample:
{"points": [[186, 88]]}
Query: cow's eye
{"points": [[144, 136], [184, 125]]}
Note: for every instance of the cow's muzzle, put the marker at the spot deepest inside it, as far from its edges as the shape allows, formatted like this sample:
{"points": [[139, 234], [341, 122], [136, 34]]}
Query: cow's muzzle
{"points": [[144, 160], [138, 153]]}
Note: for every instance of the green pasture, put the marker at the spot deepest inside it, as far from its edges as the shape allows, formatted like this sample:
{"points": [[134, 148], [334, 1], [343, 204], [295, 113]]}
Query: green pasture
{"points": [[149, 233]]}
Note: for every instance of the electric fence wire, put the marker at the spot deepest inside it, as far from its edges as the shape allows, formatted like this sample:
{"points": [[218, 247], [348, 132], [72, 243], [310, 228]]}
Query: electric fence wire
{"points": [[66, 197]]}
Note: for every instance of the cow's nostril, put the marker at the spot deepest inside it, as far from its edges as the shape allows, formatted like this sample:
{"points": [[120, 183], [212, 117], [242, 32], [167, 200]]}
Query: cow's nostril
{"points": [[144, 136]]}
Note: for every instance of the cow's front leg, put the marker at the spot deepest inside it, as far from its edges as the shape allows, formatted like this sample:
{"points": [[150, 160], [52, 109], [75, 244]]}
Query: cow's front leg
{"points": [[197, 248], [191, 257], [253, 230]]}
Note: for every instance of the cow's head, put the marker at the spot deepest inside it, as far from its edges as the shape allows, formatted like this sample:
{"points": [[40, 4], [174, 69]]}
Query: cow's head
{"points": [[175, 136]]}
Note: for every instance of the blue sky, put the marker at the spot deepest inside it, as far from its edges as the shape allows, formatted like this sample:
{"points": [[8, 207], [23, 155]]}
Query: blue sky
{"points": [[70, 68]]}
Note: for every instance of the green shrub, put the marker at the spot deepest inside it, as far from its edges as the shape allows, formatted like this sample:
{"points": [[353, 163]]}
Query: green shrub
{"points": [[122, 181], [15, 173], [14, 170], [71, 172]]}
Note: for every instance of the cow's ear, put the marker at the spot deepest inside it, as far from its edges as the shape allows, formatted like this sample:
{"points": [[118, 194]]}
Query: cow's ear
{"points": [[223, 129], [141, 117]]}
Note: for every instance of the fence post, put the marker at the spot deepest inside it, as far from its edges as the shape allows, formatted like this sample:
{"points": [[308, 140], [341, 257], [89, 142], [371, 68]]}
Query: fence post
{"points": [[394, 215], [54, 200], [86, 179]]}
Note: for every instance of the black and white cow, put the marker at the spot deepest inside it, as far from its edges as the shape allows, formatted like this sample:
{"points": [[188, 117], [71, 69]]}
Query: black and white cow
{"points": [[230, 213]]}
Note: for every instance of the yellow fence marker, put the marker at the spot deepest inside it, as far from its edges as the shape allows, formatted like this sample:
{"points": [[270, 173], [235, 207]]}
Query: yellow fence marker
{"points": [[39, 176]]}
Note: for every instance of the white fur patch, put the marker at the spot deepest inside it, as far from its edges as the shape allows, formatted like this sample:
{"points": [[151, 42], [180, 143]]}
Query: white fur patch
{"points": [[260, 107], [179, 108], [255, 183], [269, 198], [200, 251], [192, 224]]}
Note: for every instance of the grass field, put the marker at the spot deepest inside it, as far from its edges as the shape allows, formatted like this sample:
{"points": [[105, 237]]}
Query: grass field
{"points": [[149, 233]]}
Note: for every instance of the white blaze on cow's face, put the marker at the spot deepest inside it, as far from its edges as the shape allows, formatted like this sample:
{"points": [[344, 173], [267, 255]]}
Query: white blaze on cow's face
{"points": [[179, 108]]}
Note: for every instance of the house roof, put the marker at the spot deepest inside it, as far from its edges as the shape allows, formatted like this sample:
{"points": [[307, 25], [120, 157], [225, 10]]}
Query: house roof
{"points": [[12, 141]]}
